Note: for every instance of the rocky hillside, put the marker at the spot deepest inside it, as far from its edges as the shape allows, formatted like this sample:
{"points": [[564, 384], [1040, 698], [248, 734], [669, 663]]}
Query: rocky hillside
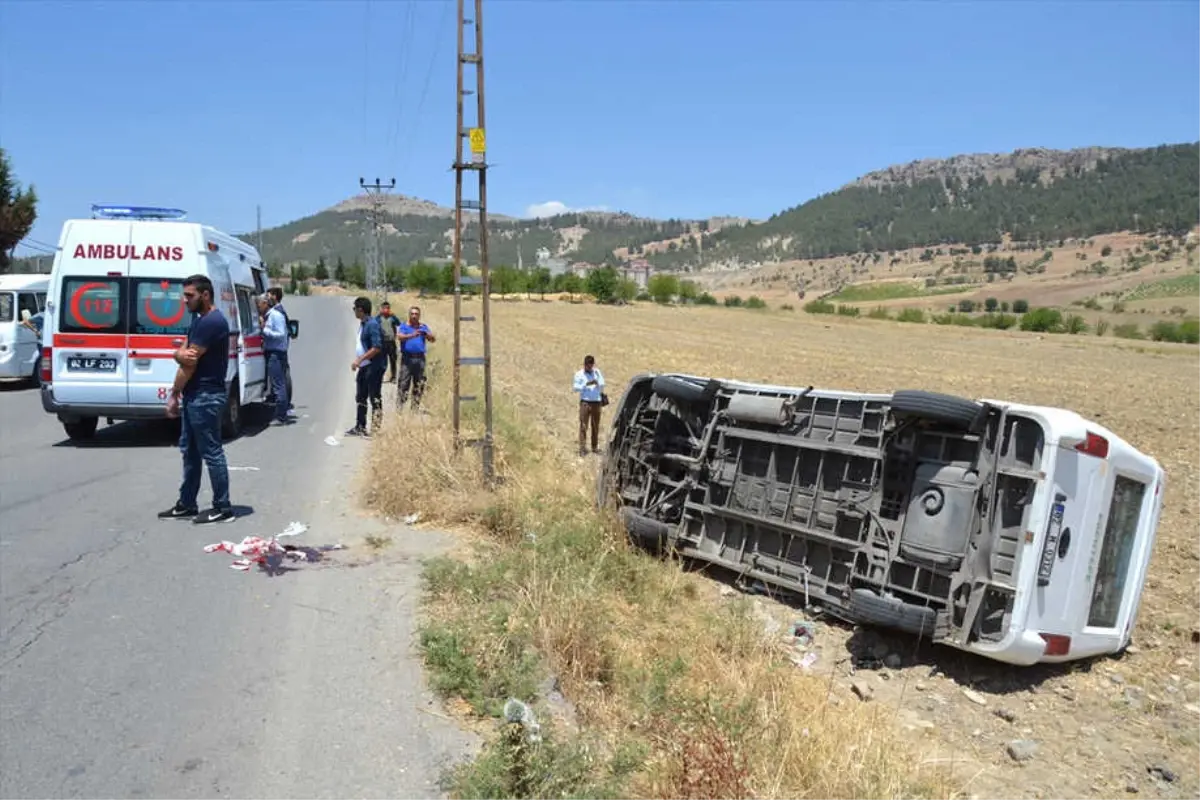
{"points": [[1035, 195]]}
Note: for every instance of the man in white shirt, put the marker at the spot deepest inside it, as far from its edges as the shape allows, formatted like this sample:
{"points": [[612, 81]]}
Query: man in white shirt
{"points": [[275, 347], [589, 385]]}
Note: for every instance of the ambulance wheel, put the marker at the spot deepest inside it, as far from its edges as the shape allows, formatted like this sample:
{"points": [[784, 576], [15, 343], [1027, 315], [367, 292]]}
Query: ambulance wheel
{"points": [[231, 420], [85, 428]]}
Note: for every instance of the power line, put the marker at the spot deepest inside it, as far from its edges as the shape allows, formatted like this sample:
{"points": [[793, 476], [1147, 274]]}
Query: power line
{"points": [[406, 153], [478, 164]]}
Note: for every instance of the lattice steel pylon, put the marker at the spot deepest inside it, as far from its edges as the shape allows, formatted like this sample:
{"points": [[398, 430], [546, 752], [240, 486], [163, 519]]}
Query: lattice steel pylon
{"points": [[477, 138], [374, 249]]}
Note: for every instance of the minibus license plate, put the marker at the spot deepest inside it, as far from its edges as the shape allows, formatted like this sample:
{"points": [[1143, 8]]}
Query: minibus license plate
{"points": [[89, 364]]}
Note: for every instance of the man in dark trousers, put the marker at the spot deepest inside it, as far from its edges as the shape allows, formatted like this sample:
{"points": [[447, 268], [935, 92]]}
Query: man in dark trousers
{"points": [[277, 302], [387, 326], [368, 364], [412, 336], [198, 396], [589, 385]]}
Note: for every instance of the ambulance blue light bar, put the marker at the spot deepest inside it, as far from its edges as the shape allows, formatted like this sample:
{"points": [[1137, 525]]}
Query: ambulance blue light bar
{"points": [[136, 212]]}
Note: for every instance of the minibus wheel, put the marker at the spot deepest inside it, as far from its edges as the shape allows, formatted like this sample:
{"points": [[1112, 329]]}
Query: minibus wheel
{"points": [[85, 428]]}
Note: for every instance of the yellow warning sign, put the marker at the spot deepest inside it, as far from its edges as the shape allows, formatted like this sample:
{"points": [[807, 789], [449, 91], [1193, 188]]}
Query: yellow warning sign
{"points": [[478, 140]]}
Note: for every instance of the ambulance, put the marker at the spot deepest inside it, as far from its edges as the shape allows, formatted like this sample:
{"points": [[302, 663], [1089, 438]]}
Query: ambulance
{"points": [[115, 315]]}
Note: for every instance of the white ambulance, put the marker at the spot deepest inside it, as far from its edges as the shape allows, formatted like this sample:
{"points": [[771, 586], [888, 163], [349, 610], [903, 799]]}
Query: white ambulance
{"points": [[115, 315]]}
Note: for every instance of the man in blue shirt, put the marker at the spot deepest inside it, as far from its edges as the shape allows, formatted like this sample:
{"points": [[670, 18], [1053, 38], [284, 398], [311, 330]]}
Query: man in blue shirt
{"points": [[412, 336], [368, 363], [275, 347], [589, 385], [198, 395], [276, 294]]}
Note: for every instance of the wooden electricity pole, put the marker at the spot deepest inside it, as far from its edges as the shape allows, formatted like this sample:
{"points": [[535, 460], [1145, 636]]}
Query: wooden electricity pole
{"points": [[477, 138]]}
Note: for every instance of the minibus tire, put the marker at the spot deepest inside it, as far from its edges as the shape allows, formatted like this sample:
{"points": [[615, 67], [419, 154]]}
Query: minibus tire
{"points": [[231, 419], [890, 612], [683, 391], [82, 430], [945, 408], [36, 377]]}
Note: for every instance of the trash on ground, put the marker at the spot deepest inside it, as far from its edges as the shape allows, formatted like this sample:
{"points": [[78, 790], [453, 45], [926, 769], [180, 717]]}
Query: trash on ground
{"points": [[269, 554], [293, 529], [243, 469], [331, 441], [803, 632], [412, 519], [519, 713], [806, 661]]}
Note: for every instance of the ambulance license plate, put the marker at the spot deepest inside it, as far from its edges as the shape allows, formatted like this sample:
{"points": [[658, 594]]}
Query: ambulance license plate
{"points": [[89, 364]]}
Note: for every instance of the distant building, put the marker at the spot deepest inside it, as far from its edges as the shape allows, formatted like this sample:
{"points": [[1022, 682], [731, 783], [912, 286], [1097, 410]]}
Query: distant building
{"points": [[556, 265], [582, 268], [637, 270]]}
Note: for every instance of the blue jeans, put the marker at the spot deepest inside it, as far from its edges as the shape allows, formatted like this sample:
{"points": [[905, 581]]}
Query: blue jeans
{"points": [[200, 441], [368, 385], [277, 373]]}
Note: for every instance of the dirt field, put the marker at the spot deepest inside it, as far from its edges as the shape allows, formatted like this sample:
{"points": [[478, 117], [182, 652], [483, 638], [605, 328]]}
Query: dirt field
{"points": [[1107, 728]]}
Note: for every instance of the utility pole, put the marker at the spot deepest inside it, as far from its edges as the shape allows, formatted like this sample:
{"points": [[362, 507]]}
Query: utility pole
{"points": [[374, 250], [478, 164]]}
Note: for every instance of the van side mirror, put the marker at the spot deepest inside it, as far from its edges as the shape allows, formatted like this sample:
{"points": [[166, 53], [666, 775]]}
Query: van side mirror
{"points": [[293, 328]]}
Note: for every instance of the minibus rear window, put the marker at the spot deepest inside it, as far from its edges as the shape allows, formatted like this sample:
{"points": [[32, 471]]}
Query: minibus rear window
{"points": [[92, 305], [158, 307], [1115, 551]]}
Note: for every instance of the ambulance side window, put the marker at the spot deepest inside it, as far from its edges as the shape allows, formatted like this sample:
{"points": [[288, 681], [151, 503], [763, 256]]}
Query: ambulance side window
{"points": [[247, 313]]}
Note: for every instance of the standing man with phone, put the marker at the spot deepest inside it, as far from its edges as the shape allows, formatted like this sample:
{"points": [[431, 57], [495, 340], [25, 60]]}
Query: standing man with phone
{"points": [[199, 396], [412, 336], [368, 363], [589, 385]]}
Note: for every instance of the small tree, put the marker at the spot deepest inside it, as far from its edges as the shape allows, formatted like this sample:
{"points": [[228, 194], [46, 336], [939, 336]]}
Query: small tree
{"points": [[627, 290], [602, 284], [18, 211], [539, 281], [663, 287], [1020, 306], [322, 272], [572, 284], [339, 272], [688, 291], [990, 304], [966, 306]]}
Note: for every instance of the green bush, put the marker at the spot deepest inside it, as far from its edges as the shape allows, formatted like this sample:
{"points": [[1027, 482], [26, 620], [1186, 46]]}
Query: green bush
{"points": [[878, 312], [911, 315], [733, 301], [1075, 325], [820, 307], [1128, 330], [847, 311], [1165, 331], [754, 301], [1020, 306], [1042, 320], [1001, 322], [704, 299], [961, 320], [1189, 331], [644, 297]]}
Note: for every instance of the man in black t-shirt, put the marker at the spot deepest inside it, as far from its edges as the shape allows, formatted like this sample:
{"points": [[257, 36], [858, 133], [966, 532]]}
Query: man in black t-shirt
{"points": [[199, 397]]}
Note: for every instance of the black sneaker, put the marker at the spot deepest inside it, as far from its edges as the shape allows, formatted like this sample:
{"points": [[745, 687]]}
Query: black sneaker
{"points": [[214, 515], [178, 511], [357, 431]]}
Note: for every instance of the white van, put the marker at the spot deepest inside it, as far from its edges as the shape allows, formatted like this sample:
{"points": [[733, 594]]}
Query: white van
{"points": [[116, 315], [21, 297], [1019, 532]]}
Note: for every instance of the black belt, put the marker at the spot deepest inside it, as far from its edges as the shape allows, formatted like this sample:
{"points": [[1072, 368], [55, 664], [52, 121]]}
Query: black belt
{"points": [[412, 355]]}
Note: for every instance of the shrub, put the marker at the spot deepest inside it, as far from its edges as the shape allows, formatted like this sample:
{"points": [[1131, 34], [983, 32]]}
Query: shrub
{"points": [[878, 312], [733, 301], [1101, 327], [1189, 331], [787, 307], [1001, 322], [754, 301], [847, 311], [966, 306], [820, 307], [911, 315], [1075, 324], [1020, 306], [644, 297], [1128, 330], [953, 319], [990, 304], [706, 299], [1166, 331], [1042, 320]]}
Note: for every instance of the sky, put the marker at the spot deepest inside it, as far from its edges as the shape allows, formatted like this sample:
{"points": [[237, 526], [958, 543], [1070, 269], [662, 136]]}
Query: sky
{"points": [[684, 109]]}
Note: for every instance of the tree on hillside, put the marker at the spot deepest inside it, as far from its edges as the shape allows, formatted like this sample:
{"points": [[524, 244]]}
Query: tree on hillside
{"points": [[506, 280], [539, 281], [688, 291], [322, 272], [627, 290], [18, 210], [339, 271], [425, 278]]}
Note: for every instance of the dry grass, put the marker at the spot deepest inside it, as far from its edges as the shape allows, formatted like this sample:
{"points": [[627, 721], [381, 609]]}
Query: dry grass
{"points": [[678, 695]]}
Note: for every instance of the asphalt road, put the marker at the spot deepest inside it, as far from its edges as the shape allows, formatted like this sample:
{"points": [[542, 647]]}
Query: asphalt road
{"points": [[133, 664]]}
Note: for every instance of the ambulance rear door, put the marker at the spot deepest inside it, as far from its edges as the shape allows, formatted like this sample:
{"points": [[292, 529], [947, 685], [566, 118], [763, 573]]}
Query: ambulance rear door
{"points": [[88, 361], [166, 253]]}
